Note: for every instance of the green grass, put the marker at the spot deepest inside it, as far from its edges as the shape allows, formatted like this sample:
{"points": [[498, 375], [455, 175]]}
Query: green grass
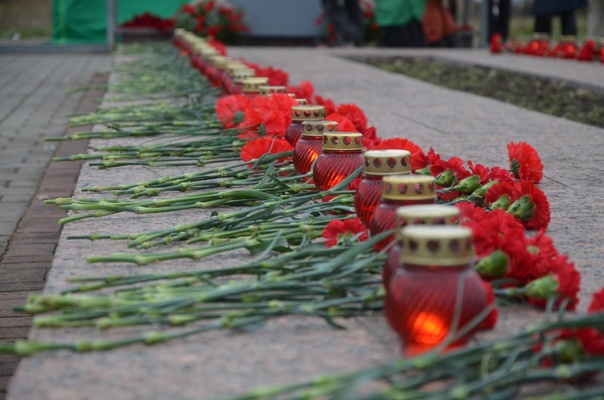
{"points": [[538, 94]]}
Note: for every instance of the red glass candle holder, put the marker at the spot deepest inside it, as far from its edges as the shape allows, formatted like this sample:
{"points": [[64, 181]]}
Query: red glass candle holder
{"points": [[251, 86], [429, 214], [311, 143], [436, 293], [239, 75], [299, 115], [378, 163], [399, 191], [227, 78], [342, 154]]}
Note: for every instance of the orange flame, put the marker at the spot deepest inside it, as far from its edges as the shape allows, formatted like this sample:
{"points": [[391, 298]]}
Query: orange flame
{"points": [[429, 328]]}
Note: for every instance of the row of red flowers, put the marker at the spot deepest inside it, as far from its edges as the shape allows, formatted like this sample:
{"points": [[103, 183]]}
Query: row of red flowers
{"points": [[498, 204], [541, 47]]}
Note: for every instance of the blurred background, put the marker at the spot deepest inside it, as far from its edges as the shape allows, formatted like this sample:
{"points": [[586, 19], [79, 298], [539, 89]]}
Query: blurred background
{"points": [[291, 22]]}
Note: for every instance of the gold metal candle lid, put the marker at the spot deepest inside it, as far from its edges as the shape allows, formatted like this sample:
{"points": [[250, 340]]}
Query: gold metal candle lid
{"points": [[346, 141], [221, 62], [409, 187], [267, 90], [437, 245], [307, 113], [241, 74], [252, 84], [301, 102], [427, 214], [387, 162], [235, 65], [318, 128]]}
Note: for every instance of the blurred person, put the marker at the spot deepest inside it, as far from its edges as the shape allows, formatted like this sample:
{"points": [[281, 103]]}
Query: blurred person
{"points": [[438, 25], [499, 21], [545, 10], [595, 18], [401, 22], [347, 19]]}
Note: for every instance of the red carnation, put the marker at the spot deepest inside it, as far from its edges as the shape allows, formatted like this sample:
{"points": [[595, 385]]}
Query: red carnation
{"points": [[371, 139], [328, 104], [338, 231], [500, 243], [272, 114], [531, 206], [563, 280], [525, 163], [344, 124], [304, 91], [470, 212], [522, 199], [355, 115], [496, 45], [230, 109], [403, 144], [257, 148], [597, 302]]}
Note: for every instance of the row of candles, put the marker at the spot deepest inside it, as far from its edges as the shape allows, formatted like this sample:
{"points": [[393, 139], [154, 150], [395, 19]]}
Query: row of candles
{"points": [[433, 291]]}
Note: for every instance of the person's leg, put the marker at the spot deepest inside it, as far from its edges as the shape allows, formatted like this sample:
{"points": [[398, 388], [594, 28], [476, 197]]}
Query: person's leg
{"points": [[543, 24], [336, 15], [503, 20], [357, 22], [568, 23]]}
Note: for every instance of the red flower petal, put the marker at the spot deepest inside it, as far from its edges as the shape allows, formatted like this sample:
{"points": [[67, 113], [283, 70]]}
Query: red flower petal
{"points": [[259, 147], [525, 163]]}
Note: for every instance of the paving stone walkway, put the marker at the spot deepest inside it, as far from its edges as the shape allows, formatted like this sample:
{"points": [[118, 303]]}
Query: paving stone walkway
{"points": [[219, 364], [34, 105]]}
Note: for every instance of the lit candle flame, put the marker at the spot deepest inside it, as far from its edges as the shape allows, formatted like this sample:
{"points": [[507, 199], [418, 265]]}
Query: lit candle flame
{"points": [[429, 328]]}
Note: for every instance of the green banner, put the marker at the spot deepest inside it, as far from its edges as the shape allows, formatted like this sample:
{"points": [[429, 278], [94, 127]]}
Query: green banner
{"points": [[85, 21]]}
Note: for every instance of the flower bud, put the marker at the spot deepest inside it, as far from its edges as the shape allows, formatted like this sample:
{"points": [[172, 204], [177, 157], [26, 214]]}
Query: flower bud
{"points": [[523, 208], [468, 185], [567, 351], [494, 265], [542, 288], [482, 190], [423, 171], [503, 202], [445, 178]]}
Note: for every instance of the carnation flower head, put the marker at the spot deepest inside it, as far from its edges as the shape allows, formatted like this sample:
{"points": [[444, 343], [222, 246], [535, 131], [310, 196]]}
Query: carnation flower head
{"points": [[272, 114], [562, 280], [265, 145], [597, 302], [305, 91], [403, 144], [371, 139], [525, 162], [230, 109], [531, 206], [338, 231], [328, 104], [355, 115], [499, 231], [344, 124]]}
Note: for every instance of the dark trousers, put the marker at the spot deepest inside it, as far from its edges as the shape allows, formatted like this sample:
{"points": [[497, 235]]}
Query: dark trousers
{"points": [[543, 23], [500, 23], [408, 35], [347, 19]]}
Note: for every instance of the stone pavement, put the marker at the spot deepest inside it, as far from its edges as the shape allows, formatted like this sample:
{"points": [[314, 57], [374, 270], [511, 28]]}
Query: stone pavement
{"points": [[219, 364], [34, 105]]}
